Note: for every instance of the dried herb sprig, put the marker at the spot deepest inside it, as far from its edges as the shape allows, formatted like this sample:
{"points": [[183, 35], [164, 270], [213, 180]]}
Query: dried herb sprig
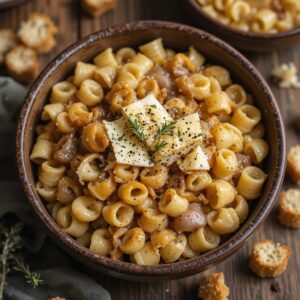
{"points": [[10, 258], [11, 242], [31, 277], [137, 129], [166, 129], [160, 145]]}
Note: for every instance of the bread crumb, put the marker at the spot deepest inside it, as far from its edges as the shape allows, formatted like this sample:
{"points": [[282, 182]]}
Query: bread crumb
{"points": [[293, 163], [287, 75], [8, 40], [269, 259], [22, 63], [212, 287], [38, 33], [289, 208], [97, 8]]}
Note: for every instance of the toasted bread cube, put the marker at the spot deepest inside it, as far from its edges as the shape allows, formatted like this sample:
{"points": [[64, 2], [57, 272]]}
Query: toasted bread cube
{"points": [[8, 40], [293, 164], [38, 33], [22, 63], [289, 208], [269, 259], [97, 8], [212, 287]]}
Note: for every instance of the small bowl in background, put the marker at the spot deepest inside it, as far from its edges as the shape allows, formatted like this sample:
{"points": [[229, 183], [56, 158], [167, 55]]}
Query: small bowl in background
{"points": [[178, 37], [10, 3], [249, 41]]}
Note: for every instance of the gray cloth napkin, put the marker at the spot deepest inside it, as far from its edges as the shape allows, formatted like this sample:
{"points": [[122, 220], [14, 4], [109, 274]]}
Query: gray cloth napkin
{"points": [[54, 266]]}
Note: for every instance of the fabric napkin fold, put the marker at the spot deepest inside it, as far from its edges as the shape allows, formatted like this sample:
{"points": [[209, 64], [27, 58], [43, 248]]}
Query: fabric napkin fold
{"points": [[56, 268]]}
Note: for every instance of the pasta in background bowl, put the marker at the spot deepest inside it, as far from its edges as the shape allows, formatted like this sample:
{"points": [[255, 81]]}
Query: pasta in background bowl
{"points": [[254, 25], [137, 212]]}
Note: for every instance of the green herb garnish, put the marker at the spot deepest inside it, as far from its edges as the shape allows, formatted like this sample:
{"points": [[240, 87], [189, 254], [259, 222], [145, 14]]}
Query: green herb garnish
{"points": [[137, 129], [11, 245], [160, 145], [166, 129]]}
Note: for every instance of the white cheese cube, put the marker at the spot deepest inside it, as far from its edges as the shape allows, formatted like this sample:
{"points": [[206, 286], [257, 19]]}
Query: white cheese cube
{"points": [[196, 160], [128, 149], [150, 115], [186, 135]]}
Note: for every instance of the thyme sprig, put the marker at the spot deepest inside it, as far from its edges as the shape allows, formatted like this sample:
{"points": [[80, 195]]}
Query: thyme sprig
{"points": [[10, 258], [160, 145], [31, 277], [137, 129], [166, 129]]}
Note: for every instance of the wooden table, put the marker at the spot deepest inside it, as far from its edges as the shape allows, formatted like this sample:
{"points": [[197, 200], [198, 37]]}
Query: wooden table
{"points": [[73, 24]]}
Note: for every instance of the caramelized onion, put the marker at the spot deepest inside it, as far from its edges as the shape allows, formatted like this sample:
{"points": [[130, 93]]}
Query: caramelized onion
{"points": [[192, 219]]}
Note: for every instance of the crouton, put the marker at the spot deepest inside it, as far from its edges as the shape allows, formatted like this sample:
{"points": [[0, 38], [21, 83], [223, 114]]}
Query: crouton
{"points": [[286, 75], [22, 63], [38, 33], [8, 40], [293, 164], [97, 8], [269, 259], [289, 208], [212, 287]]}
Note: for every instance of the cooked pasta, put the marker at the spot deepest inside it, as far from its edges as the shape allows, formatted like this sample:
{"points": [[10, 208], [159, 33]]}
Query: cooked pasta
{"points": [[223, 221], [41, 151], [101, 243], [154, 50], [203, 239], [251, 182], [69, 223], [148, 155], [133, 240], [118, 214], [86, 209], [255, 16], [174, 249], [83, 71], [62, 92], [90, 92], [146, 256], [102, 188], [105, 76]]}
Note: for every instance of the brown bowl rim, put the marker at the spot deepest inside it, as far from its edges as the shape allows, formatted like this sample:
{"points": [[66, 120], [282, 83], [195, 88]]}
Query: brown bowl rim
{"points": [[247, 34], [173, 270], [10, 3]]}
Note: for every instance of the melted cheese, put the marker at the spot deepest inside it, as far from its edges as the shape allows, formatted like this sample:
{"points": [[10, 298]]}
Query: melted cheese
{"points": [[196, 160], [128, 149], [186, 135], [150, 115]]}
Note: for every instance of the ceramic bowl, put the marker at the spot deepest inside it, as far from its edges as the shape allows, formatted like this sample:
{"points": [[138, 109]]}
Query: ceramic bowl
{"points": [[10, 3], [254, 42], [179, 37]]}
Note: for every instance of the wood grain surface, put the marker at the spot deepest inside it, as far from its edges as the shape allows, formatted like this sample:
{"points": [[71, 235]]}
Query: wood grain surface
{"points": [[74, 23]]}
